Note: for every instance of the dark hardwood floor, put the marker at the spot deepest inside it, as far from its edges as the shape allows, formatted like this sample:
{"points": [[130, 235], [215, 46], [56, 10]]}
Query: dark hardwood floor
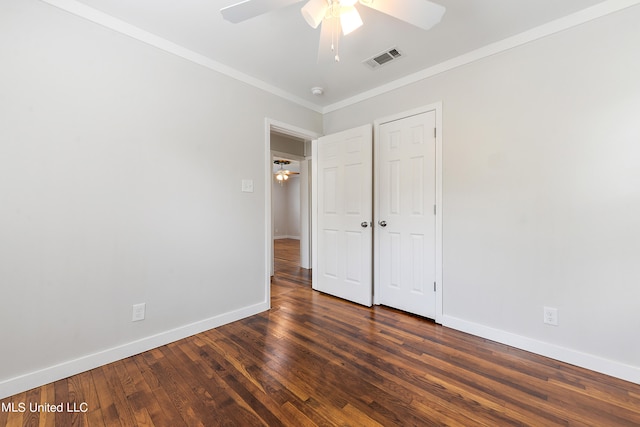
{"points": [[314, 360]]}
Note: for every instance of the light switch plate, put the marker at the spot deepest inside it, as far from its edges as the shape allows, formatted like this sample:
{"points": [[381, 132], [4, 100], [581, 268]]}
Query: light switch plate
{"points": [[247, 186]]}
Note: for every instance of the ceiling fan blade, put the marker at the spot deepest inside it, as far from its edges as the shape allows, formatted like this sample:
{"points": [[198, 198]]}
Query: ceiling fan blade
{"points": [[249, 8], [314, 12], [421, 13], [350, 19]]}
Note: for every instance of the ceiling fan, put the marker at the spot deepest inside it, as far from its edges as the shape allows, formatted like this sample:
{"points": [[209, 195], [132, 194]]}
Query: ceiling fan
{"points": [[337, 15], [283, 174]]}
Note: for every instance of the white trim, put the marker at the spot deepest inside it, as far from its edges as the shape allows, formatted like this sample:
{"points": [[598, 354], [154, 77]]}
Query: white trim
{"points": [[79, 9], [286, 236], [560, 24], [375, 266], [286, 129], [439, 215], [268, 209], [553, 351], [437, 107], [305, 214], [73, 367], [314, 206], [294, 131]]}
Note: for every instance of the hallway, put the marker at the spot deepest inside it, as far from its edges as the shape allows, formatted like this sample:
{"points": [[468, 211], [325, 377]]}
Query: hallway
{"points": [[287, 270]]}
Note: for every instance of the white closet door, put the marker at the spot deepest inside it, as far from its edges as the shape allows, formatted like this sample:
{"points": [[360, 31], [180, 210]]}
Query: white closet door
{"points": [[344, 212], [405, 212]]}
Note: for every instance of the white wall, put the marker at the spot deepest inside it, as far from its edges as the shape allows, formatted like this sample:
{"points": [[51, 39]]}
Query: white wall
{"points": [[287, 144], [286, 209], [541, 147], [293, 208], [286, 197], [113, 192]]}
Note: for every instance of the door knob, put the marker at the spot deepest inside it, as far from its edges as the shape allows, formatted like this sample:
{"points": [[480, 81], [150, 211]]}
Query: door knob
{"points": [[382, 223], [364, 224]]}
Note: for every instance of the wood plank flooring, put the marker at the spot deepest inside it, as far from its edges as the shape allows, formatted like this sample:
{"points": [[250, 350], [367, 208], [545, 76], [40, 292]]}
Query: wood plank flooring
{"points": [[314, 360]]}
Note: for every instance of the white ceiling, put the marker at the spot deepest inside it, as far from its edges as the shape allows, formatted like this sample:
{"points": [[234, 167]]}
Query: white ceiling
{"points": [[280, 49]]}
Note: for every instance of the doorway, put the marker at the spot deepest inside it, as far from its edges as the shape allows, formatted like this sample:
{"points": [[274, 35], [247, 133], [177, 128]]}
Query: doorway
{"points": [[274, 132]]}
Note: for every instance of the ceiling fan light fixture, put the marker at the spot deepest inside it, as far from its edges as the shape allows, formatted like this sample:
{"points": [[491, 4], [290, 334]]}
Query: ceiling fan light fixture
{"points": [[349, 19], [314, 12], [423, 14], [282, 174]]}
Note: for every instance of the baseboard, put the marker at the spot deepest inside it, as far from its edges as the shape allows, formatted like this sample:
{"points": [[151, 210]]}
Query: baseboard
{"points": [[72, 367], [287, 237], [573, 357]]}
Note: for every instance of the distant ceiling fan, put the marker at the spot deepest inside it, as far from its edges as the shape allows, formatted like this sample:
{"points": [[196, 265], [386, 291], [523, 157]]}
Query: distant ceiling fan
{"points": [[336, 15], [283, 174]]}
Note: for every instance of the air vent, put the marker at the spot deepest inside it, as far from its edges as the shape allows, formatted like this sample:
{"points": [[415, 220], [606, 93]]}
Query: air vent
{"points": [[383, 58]]}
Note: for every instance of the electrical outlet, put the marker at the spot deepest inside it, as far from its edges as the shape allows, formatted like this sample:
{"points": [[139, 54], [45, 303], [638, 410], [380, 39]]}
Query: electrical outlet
{"points": [[551, 316], [138, 312]]}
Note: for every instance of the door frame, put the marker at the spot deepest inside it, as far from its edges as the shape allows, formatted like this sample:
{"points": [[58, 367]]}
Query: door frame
{"points": [[271, 125], [437, 107]]}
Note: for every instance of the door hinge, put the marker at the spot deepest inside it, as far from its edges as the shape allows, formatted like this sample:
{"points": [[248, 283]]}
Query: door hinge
{"points": [[434, 209], [435, 132], [434, 286]]}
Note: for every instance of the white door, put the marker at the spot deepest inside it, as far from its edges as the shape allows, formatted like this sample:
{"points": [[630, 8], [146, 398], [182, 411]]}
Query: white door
{"points": [[344, 211], [405, 214]]}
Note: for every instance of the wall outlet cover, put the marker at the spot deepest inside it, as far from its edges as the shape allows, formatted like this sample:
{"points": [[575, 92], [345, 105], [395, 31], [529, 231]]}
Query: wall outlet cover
{"points": [[551, 316], [138, 312]]}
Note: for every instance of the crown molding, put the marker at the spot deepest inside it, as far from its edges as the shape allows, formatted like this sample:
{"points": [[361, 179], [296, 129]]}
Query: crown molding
{"points": [[553, 27], [79, 9], [602, 9]]}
